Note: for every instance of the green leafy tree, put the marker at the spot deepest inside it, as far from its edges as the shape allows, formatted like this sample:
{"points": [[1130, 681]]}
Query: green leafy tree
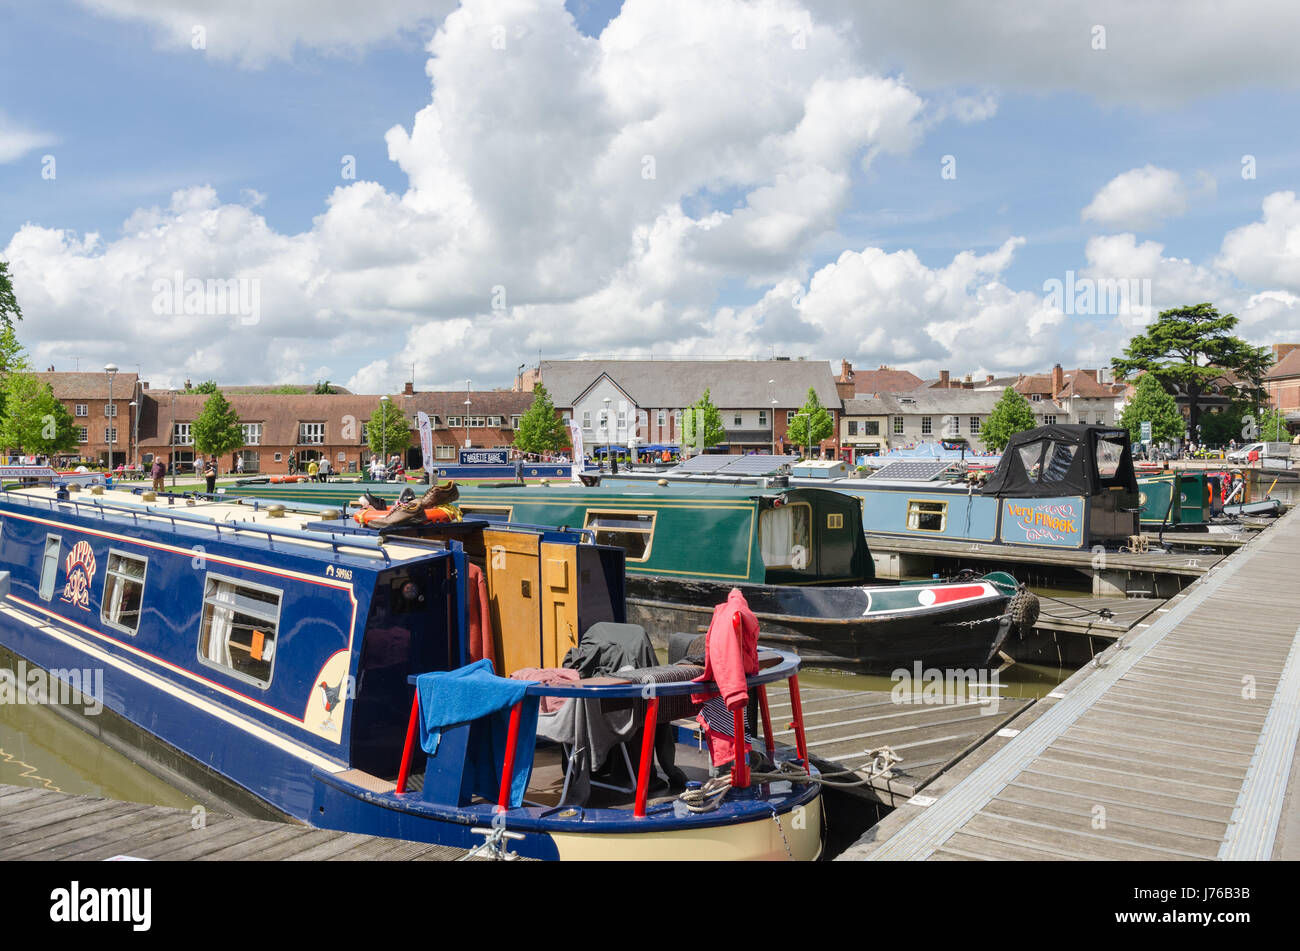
{"points": [[702, 424], [207, 386], [9, 309], [1188, 348], [323, 388], [1267, 425], [811, 424], [286, 389], [388, 418], [13, 359], [1217, 429], [540, 430], [1151, 401], [216, 429], [1011, 414], [34, 421]]}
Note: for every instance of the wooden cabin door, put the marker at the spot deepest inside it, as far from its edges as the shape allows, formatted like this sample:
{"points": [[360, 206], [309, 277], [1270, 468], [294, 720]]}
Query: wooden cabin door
{"points": [[559, 602], [514, 591]]}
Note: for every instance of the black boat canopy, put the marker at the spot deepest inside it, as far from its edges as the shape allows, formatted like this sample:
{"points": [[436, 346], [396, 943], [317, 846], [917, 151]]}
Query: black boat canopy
{"points": [[1062, 460]]}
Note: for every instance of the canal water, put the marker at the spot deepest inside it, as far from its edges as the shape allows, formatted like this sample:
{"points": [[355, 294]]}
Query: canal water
{"points": [[40, 748]]}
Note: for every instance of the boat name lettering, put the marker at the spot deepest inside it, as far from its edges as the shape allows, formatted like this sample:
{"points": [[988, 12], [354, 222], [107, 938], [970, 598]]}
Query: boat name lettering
{"points": [[80, 569], [1058, 517]]}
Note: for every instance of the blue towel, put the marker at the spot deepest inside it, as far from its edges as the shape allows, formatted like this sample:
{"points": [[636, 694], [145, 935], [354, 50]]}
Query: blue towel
{"points": [[475, 695]]}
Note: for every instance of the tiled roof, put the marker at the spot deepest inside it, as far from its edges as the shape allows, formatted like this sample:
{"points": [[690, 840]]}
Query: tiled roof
{"points": [[88, 385], [884, 380], [673, 384], [1287, 366]]}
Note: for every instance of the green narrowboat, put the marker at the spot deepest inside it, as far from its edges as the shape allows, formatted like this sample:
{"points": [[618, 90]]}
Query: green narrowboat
{"points": [[798, 554]]}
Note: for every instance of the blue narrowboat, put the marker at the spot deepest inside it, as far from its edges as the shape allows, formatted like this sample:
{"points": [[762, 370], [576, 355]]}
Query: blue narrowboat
{"points": [[276, 661]]}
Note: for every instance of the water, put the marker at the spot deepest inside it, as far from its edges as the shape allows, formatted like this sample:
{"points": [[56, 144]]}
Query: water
{"points": [[40, 748]]}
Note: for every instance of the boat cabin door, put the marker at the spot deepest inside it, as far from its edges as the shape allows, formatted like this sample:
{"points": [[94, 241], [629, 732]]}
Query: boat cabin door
{"points": [[532, 588]]}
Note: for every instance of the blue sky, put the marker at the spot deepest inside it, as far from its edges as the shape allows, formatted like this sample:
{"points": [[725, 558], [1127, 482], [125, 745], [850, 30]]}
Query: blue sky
{"points": [[132, 115]]}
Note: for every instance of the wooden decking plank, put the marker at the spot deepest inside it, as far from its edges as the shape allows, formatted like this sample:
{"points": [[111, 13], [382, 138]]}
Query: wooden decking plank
{"points": [[1073, 822], [1114, 808]]}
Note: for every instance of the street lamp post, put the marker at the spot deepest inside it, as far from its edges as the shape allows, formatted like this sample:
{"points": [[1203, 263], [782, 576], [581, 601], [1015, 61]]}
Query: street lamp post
{"points": [[171, 463], [467, 405], [772, 384], [608, 457], [133, 443], [383, 428], [111, 370]]}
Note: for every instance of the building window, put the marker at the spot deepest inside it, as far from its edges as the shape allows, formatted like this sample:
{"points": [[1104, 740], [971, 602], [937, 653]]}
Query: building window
{"points": [[238, 629], [434, 421], [252, 434], [661, 417], [974, 425], [498, 421], [181, 435], [110, 410], [789, 416], [444, 452], [83, 434], [762, 417], [311, 434], [898, 425], [110, 435], [956, 425], [476, 422], [1036, 397], [1049, 420], [586, 421], [738, 419], [869, 427], [927, 425], [454, 422], [514, 421], [123, 592], [83, 409], [631, 531], [853, 427]]}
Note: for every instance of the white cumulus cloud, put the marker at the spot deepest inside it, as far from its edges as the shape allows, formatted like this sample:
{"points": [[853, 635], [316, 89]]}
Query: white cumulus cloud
{"points": [[1138, 199]]}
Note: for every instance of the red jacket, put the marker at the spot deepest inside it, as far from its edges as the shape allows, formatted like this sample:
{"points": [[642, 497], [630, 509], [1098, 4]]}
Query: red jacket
{"points": [[728, 659]]}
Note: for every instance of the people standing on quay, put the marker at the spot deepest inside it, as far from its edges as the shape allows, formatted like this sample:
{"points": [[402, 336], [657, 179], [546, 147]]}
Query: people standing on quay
{"points": [[210, 474], [158, 471]]}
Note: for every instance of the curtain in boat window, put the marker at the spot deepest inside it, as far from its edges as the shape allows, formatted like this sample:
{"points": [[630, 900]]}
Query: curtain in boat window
{"points": [[784, 535], [221, 615]]}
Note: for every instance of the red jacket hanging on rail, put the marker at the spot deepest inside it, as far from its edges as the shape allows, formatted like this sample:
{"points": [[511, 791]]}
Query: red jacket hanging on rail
{"points": [[728, 658]]}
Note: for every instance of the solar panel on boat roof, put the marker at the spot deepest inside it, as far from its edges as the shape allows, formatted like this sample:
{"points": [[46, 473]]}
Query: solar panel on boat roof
{"points": [[913, 470], [756, 465], [701, 465]]}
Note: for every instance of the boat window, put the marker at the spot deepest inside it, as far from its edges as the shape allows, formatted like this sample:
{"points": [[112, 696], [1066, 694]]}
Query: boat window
{"points": [[50, 566], [834, 519], [502, 510], [239, 627], [1059, 456], [123, 591], [631, 531], [1031, 457], [1109, 455], [923, 516], [785, 536]]}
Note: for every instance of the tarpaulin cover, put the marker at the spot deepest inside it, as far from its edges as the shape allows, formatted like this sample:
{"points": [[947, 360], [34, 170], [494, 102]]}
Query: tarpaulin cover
{"points": [[1067, 459]]}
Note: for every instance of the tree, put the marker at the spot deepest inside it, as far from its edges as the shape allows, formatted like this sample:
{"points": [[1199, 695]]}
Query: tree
{"points": [[702, 424], [216, 429], [1268, 425], [1152, 402], [34, 421], [323, 388], [398, 428], [9, 309], [1011, 414], [13, 359], [1188, 348], [540, 430], [207, 386], [811, 424]]}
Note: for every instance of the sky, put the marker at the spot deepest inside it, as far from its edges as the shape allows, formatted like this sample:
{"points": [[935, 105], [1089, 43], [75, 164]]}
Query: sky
{"points": [[270, 191]]}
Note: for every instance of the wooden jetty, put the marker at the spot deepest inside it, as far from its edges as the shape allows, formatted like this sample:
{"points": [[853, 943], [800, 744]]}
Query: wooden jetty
{"points": [[843, 726], [1176, 744], [44, 825]]}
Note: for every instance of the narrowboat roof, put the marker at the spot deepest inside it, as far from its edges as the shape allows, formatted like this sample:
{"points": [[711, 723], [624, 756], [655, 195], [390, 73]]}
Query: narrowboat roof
{"points": [[649, 490], [230, 520]]}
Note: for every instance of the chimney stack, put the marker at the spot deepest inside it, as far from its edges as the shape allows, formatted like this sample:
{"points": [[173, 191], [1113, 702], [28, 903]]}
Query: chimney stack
{"points": [[408, 389], [943, 378], [1058, 380]]}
